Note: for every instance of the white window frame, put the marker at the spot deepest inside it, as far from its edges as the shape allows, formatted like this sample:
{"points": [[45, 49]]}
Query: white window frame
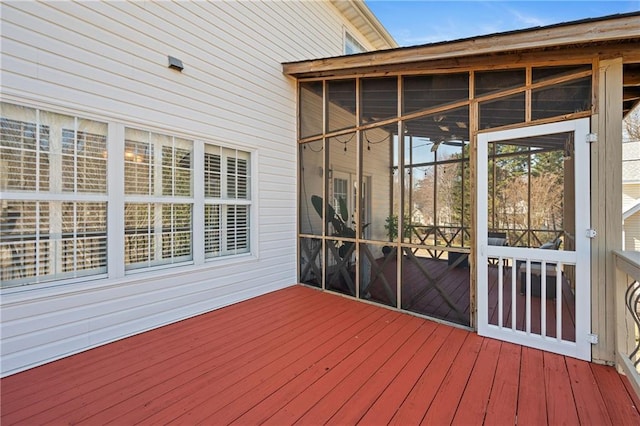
{"points": [[351, 44], [115, 199], [55, 196], [225, 200], [158, 199]]}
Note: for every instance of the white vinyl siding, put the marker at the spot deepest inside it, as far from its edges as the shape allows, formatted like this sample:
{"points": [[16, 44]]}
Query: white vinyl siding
{"points": [[107, 61]]}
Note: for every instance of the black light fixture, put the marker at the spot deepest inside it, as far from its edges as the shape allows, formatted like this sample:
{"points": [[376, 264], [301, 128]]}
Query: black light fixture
{"points": [[175, 64]]}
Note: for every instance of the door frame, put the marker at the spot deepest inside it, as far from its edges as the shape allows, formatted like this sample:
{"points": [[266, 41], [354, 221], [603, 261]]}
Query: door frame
{"points": [[581, 348]]}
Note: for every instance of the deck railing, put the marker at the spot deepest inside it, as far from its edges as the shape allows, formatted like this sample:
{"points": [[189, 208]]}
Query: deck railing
{"points": [[628, 315]]}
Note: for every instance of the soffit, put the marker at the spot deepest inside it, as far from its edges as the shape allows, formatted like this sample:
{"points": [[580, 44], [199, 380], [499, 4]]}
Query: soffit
{"points": [[357, 12]]}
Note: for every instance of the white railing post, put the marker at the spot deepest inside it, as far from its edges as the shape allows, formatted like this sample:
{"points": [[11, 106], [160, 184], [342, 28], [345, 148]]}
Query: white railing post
{"points": [[627, 275]]}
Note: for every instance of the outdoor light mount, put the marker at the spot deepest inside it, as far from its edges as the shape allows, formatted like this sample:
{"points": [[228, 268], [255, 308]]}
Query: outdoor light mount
{"points": [[175, 63]]}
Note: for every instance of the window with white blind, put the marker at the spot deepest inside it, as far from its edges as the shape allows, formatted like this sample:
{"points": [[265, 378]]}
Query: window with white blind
{"points": [[53, 172], [227, 201], [59, 207], [159, 199]]}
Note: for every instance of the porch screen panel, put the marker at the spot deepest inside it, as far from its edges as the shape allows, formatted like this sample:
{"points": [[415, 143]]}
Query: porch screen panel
{"points": [[502, 111], [488, 82], [377, 192], [532, 190], [434, 257], [560, 99], [53, 196], [312, 175], [437, 198], [379, 207], [341, 104], [378, 273], [539, 74], [311, 110], [423, 92], [341, 218], [379, 98]]}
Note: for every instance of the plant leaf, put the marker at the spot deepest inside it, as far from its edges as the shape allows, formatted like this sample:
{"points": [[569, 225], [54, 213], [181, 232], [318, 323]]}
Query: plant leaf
{"points": [[344, 212]]}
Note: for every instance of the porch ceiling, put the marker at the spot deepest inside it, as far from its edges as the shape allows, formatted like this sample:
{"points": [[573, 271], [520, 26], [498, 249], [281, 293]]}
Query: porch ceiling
{"points": [[300, 355]]}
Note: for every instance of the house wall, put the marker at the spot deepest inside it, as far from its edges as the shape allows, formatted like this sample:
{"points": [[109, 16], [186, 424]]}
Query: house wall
{"points": [[108, 61], [630, 194], [631, 232]]}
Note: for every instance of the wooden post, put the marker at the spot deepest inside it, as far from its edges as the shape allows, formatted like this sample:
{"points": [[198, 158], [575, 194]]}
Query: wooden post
{"points": [[606, 204]]}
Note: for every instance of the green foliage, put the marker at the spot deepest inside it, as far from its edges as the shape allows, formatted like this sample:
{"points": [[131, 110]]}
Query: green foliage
{"points": [[391, 225]]}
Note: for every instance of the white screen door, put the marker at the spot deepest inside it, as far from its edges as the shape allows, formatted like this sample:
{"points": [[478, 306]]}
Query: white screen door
{"points": [[533, 243]]}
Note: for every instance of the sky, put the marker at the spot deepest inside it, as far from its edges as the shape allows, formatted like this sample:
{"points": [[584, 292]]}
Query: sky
{"points": [[421, 21]]}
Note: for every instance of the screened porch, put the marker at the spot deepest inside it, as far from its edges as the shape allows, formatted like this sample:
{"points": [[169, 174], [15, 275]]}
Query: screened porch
{"points": [[395, 160]]}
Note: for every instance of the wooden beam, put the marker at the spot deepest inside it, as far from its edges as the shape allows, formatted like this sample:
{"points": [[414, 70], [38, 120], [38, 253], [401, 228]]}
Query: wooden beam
{"points": [[472, 61], [631, 77], [621, 28]]}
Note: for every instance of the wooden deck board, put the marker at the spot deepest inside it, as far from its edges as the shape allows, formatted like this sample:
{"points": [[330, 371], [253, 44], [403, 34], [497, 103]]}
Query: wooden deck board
{"points": [[619, 403], [446, 402], [163, 398], [71, 370], [362, 400], [475, 398], [532, 399], [503, 400], [208, 391], [301, 355], [412, 376], [588, 397], [303, 402], [560, 404]]}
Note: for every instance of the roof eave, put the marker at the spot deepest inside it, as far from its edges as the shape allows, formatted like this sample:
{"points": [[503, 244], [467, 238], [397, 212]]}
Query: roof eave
{"points": [[370, 24], [617, 27]]}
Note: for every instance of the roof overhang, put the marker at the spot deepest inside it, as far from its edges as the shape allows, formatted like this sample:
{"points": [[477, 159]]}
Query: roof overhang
{"points": [[359, 14], [631, 211], [592, 31], [610, 36]]}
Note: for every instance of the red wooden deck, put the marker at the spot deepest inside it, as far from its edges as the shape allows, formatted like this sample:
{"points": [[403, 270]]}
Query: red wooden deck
{"points": [[302, 356]]}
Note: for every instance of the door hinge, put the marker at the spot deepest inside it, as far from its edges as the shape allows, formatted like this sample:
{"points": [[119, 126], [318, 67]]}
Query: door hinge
{"points": [[592, 338], [592, 137], [592, 233]]}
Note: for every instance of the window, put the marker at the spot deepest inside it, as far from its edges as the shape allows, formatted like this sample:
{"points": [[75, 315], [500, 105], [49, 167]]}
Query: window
{"points": [[159, 199], [54, 201], [351, 45], [227, 198]]}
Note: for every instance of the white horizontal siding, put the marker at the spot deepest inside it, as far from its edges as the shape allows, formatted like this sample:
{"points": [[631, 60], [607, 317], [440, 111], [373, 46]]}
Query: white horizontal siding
{"points": [[108, 61]]}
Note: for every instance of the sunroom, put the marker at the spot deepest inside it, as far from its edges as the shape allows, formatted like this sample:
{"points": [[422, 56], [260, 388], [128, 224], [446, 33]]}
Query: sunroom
{"points": [[475, 182]]}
